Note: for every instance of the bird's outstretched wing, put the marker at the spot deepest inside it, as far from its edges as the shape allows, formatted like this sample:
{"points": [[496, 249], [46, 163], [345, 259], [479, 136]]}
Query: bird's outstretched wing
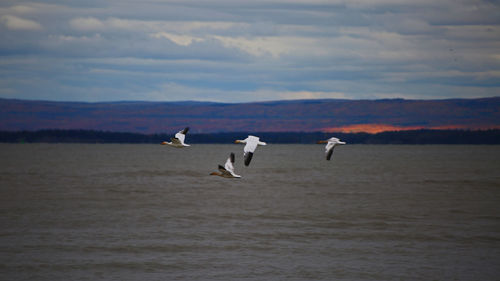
{"points": [[329, 153], [250, 146], [329, 149], [248, 157], [181, 135], [229, 163], [230, 166]]}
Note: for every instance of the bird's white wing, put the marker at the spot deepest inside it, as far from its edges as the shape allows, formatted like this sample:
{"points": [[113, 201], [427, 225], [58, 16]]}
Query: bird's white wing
{"points": [[180, 136], [329, 146], [251, 144], [229, 167], [329, 153], [229, 163]]}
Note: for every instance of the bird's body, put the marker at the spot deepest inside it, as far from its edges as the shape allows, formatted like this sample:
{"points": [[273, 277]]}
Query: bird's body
{"points": [[251, 143], [330, 145], [178, 140], [228, 170]]}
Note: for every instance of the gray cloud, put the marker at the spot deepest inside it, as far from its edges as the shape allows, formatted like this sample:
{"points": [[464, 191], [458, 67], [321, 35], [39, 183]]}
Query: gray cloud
{"points": [[222, 50]]}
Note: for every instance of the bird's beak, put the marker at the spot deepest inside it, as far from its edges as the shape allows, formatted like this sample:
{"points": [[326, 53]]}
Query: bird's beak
{"points": [[214, 174], [237, 141], [321, 141], [163, 143]]}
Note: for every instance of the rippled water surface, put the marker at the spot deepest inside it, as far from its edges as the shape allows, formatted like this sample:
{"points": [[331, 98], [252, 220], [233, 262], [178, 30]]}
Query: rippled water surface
{"points": [[150, 212]]}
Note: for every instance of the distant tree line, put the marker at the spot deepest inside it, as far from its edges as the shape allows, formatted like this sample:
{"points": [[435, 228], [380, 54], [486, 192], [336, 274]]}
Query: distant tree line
{"points": [[396, 137]]}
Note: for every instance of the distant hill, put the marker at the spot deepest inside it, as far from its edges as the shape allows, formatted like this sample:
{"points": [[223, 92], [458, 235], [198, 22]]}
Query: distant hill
{"points": [[400, 137], [278, 116]]}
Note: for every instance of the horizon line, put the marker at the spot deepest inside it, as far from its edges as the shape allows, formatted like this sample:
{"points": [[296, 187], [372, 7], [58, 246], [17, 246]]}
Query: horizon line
{"points": [[248, 102]]}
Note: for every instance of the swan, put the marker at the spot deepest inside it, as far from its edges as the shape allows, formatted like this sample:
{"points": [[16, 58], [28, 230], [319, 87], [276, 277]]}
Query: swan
{"points": [[251, 143], [178, 140], [330, 145], [228, 170]]}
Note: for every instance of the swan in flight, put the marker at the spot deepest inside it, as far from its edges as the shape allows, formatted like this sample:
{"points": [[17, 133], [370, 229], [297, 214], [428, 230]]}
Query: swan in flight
{"points": [[178, 140], [251, 143], [228, 170], [330, 145]]}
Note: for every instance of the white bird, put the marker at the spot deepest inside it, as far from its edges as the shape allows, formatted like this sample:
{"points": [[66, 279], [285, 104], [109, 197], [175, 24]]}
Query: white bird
{"points": [[251, 143], [330, 145], [228, 170], [178, 140]]}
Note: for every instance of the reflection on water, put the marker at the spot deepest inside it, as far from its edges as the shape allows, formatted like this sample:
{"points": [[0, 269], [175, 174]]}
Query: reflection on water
{"points": [[149, 212]]}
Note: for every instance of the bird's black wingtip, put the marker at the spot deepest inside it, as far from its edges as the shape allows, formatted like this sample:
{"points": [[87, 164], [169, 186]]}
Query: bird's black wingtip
{"points": [[248, 158], [329, 154], [231, 156], [185, 130]]}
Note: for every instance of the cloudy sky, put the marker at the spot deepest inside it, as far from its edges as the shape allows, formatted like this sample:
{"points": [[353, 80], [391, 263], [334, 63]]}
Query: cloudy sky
{"points": [[239, 51]]}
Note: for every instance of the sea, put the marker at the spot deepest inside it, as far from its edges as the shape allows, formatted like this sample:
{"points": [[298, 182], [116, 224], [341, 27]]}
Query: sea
{"points": [[152, 212]]}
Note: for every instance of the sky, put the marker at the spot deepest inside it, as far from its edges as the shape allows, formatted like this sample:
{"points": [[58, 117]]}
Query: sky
{"points": [[243, 51]]}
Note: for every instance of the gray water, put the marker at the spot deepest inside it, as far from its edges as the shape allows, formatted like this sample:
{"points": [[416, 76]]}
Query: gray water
{"points": [[150, 212]]}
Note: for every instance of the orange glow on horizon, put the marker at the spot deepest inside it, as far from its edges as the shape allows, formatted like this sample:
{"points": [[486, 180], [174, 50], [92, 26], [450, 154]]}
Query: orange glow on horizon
{"points": [[378, 128]]}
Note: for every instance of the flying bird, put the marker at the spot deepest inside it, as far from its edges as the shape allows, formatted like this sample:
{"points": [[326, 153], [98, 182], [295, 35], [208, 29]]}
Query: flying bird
{"points": [[330, 145], [251, 143], [178, 140], [228, 170]]}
